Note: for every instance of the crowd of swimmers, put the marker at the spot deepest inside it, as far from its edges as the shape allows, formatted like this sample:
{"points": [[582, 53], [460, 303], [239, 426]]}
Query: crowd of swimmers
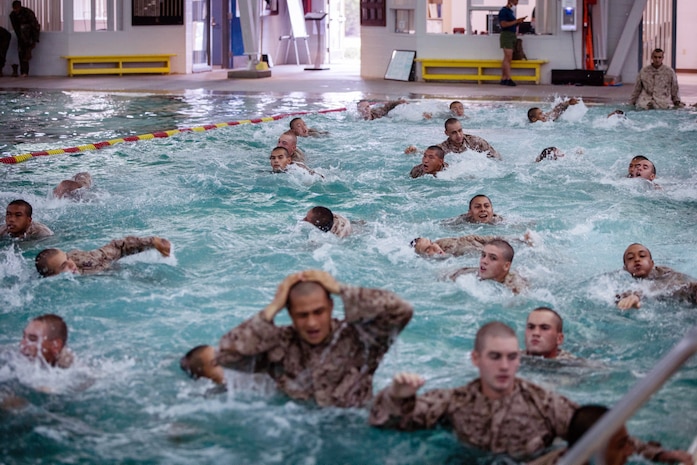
{"points": [[332, 361]]}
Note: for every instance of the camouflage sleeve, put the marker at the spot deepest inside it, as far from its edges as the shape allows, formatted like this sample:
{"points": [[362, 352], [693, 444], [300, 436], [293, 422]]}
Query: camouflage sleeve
{"points": [[38, 230], [558, 110], [637, 90], [129, 245], [461, 272], [414, 412], [380, 312], [482, 145], [246, 346], [341, 226], [417, 171], [674, 90], [461, 245]]}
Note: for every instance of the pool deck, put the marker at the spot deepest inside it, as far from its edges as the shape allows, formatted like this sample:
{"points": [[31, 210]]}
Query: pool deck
{"points": [[339, 78]]}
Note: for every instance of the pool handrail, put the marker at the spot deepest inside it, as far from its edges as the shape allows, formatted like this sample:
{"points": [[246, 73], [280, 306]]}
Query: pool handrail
{"points": [[597, 437]]}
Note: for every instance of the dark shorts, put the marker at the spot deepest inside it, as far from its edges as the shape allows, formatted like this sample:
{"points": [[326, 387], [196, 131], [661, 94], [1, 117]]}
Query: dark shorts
{"points": [[507, 40]]}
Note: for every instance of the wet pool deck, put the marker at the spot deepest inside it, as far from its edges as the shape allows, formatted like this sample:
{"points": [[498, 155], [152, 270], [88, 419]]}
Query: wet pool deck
{"points": [[338, 79]]}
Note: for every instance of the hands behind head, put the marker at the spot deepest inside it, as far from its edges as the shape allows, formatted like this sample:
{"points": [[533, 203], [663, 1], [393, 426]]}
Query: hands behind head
{"points": [[162, 245], [406, 384], [279, 301]]}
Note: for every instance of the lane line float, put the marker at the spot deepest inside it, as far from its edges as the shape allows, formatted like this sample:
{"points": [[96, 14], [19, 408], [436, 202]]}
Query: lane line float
{"points": [[14, 159]]}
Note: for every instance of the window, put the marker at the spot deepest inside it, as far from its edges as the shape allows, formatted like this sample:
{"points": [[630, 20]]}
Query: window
{"points": [[373, 13], [158, 12]]}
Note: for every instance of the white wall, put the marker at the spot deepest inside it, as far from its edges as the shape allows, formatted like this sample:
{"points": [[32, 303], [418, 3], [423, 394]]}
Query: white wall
{"points": [[686, 48], [563, 49]]}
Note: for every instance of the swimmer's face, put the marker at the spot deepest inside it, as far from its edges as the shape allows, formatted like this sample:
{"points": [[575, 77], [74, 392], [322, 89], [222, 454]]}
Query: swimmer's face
{"points": [[637, 261], [279, 161], [454, 133], [288, 142], [424, 246], [457, 109], [17, 220], [300, 128], [431, 162], [311, 314], [36, 344], [481, 210], [498, 362], [538, 115], [641, 169], [492, 264], [542, 335], [60, 263]]}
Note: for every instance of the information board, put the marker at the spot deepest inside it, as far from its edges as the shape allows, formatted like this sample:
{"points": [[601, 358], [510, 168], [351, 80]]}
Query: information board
{"points": [[401, 66]]}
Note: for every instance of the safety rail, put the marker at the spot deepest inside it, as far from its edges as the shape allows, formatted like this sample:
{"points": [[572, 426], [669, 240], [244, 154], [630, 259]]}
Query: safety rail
{"points": [[596, 438]]}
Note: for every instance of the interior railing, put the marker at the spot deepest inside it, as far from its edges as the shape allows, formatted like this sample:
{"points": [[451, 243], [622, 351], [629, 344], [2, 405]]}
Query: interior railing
{"points": [[596, 438]]}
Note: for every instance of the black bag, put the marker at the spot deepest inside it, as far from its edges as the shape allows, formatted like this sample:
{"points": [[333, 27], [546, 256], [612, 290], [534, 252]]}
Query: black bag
{"points": [[518, 52]]}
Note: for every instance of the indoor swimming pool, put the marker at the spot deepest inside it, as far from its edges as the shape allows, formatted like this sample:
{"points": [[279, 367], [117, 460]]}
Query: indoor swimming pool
{"points": [[236, 233]]}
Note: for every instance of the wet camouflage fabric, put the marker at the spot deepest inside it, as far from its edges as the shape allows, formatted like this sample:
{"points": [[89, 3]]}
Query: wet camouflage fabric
{"points": [[65, 358], [382, 110], [520, 424], [94, 261], [341, 226], [655, 88], [36, 230], [513, 280], [336, 373], [470, 143], [557, 111], [462, 245], [666, 282], [467, 218], [297, 156], [649, 450]]}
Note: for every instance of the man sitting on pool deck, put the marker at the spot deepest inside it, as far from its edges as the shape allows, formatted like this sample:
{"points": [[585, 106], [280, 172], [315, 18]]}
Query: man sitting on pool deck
{"points": [[661, 279], [432, 162], [68, 187], [495, 264], [459, 142], [535, 114], [19, 224], [497, 412], [325, 220], [51, 262], [480, 210], [290, 141], [328, 360], [544, 334], [45, 339]]}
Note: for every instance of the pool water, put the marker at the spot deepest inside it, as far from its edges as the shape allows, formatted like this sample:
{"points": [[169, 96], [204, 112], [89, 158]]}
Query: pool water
{"points": [[236, 234]]}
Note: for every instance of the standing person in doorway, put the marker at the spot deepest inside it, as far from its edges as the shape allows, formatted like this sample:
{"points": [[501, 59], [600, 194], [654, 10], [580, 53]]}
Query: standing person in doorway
{"points": [[509, 28], [27, 29], [5, 38]]}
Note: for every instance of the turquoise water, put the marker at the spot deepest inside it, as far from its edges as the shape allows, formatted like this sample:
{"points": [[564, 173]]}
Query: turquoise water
{"points": [[236, 233]]}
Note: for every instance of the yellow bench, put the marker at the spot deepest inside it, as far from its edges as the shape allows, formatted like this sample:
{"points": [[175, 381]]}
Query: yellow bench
{"points": [[443, 69], [119, 64]]}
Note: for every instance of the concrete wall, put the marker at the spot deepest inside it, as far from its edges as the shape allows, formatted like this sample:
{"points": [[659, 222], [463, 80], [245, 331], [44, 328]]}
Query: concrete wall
{"points": [[563, 49], [686, 48]]}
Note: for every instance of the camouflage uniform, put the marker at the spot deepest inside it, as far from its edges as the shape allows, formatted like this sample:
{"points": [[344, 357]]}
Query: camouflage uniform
{"points": [[337, 372], [650, 450], [297, 156], [94, 261], [557, 111], [669, 283], [520, 424], [513, 280], [65, 358], [36, 230], [655, 88], [384, 109], [465, 244], [341, 226], [27, 29], [470, 143], [467, 218]]}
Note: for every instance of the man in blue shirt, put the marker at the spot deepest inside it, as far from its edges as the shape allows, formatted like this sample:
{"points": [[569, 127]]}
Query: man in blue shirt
{"points": [[509, 26]]}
